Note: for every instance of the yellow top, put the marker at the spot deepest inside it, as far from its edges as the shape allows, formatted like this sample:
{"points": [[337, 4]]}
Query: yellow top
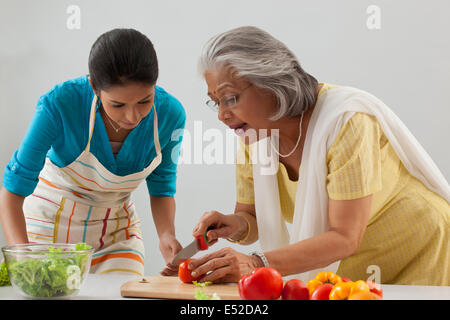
{"points": [[408, 233]]}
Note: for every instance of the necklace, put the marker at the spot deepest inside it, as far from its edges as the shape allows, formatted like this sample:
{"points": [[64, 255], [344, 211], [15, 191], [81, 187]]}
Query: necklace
{"points": [[296, 145], [112, 125], [107, 117]]}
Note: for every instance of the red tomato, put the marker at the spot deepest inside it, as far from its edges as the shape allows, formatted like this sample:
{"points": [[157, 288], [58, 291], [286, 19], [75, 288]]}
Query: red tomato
{"points": [[184, 273], [322, 292], [375, 288], [295, 289], [346, 280], [262, 284]]}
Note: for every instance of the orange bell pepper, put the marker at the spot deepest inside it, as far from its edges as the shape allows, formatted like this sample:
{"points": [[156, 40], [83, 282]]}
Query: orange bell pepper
{"points": [[322, 278], [344, 290], [365, 295]]}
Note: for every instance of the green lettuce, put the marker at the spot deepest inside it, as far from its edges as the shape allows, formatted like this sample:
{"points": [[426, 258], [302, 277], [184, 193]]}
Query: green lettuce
{"points": [[59, 273], [201, 284], [201, 295], [4, 277]]}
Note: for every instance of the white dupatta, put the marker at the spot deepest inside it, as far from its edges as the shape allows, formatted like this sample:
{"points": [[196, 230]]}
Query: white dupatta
{"points": [[332, 110]]}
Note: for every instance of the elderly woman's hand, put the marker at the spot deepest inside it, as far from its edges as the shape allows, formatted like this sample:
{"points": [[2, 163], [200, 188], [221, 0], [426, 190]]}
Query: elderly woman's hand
{"points": [[225, 265], [228, 226]]}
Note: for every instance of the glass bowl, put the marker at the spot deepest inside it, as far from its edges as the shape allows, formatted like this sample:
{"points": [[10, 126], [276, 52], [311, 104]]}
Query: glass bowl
{"points": [[47, 270]]}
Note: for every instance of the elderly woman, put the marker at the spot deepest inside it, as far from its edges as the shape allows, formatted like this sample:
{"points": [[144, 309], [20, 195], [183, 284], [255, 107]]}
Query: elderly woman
{"points": [[355, 186]]}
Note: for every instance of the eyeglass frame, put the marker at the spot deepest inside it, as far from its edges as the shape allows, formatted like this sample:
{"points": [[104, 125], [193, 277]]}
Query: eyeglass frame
{"points": [[215, 105]]}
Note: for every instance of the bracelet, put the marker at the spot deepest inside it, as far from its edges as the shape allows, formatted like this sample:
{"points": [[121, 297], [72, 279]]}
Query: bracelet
{"points": [[245, 236], [261, 256]]}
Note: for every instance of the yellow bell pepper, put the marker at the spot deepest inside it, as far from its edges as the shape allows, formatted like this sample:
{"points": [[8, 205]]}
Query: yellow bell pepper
{"points": [[322, 278], [344, 290]]}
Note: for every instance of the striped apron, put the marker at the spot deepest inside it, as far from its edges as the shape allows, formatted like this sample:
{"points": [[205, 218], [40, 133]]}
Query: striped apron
{"points": [[85, 202]]}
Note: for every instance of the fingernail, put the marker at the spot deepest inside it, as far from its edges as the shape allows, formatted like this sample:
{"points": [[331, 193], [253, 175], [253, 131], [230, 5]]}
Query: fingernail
{"points": [[190, 266], [194, 274]]}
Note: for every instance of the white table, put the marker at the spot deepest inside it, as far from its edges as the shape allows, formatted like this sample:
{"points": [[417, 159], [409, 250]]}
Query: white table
{"points": [[107, 287]]}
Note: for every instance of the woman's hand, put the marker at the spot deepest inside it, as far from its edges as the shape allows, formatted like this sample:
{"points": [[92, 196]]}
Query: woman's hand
{"points": [[225, 265], [169, 247], [225, 226]]}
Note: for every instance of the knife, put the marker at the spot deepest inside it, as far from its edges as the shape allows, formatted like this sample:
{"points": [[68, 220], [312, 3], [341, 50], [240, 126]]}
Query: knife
{"points": [[200, 243]]}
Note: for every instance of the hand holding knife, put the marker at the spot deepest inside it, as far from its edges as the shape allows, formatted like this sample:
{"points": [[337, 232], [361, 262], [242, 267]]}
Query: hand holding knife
{"points": [[200, 243]]}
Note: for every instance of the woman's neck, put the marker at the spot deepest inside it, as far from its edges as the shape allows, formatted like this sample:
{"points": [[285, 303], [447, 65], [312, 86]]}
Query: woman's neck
{"points": [[289, 134], [113, 134], [290, 130]]}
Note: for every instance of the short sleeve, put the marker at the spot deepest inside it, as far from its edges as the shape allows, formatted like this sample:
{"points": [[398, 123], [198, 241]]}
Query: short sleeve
{"points": [[244, 175], [354, 159]]}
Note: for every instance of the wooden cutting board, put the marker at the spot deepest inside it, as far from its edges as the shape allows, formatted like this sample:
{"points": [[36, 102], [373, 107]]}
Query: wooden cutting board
{"points": [[172, 288]]}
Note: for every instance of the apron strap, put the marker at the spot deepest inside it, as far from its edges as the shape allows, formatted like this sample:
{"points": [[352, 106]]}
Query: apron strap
{"points": [[155, 132], [92, 121]]}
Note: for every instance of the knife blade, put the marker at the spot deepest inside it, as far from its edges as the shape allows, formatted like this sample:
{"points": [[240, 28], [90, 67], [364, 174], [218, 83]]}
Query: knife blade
{"points": [[186, 253], [200, 243]]}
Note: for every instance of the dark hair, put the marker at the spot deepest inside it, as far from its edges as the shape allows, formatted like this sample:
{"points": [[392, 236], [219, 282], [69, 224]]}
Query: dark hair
{"points": [[121, 56]]}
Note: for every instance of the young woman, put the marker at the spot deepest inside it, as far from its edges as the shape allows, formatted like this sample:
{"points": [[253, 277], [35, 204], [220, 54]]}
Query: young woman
{"points": [[91, 142], [357, 187]]}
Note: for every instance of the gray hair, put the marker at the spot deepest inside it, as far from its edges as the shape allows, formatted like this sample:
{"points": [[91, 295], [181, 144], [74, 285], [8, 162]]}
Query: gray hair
{"points": [[266, 62]]}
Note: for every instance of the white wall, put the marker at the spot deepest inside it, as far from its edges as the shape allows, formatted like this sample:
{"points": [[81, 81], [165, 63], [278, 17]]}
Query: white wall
{"points": [[406, 63]]}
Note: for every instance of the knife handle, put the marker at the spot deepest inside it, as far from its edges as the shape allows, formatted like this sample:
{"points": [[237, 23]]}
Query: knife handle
{"points": [[202, 240]]}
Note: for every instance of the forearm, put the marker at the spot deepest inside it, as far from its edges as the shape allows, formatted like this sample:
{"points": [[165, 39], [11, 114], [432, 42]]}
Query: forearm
{"points": [[163, 212], [12, 218], [312, 253]]}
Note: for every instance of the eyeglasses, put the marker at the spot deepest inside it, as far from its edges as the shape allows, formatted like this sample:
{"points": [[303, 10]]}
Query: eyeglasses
{"points": [[226, 101]]}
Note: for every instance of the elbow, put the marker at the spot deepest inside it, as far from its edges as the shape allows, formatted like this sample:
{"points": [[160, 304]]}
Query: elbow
{"points": [[352, 246], [349, 242], [348, 245]]}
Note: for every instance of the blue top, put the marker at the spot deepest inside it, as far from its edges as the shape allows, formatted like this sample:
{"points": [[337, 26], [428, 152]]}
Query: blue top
{"points": [[60, 127]]}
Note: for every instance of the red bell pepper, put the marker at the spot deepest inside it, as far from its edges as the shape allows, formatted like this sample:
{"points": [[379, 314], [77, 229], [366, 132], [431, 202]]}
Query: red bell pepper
{"points": [[262, 284]]}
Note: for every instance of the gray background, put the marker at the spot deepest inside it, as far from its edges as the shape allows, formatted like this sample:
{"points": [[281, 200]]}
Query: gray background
{"points": [[406, 64]]}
